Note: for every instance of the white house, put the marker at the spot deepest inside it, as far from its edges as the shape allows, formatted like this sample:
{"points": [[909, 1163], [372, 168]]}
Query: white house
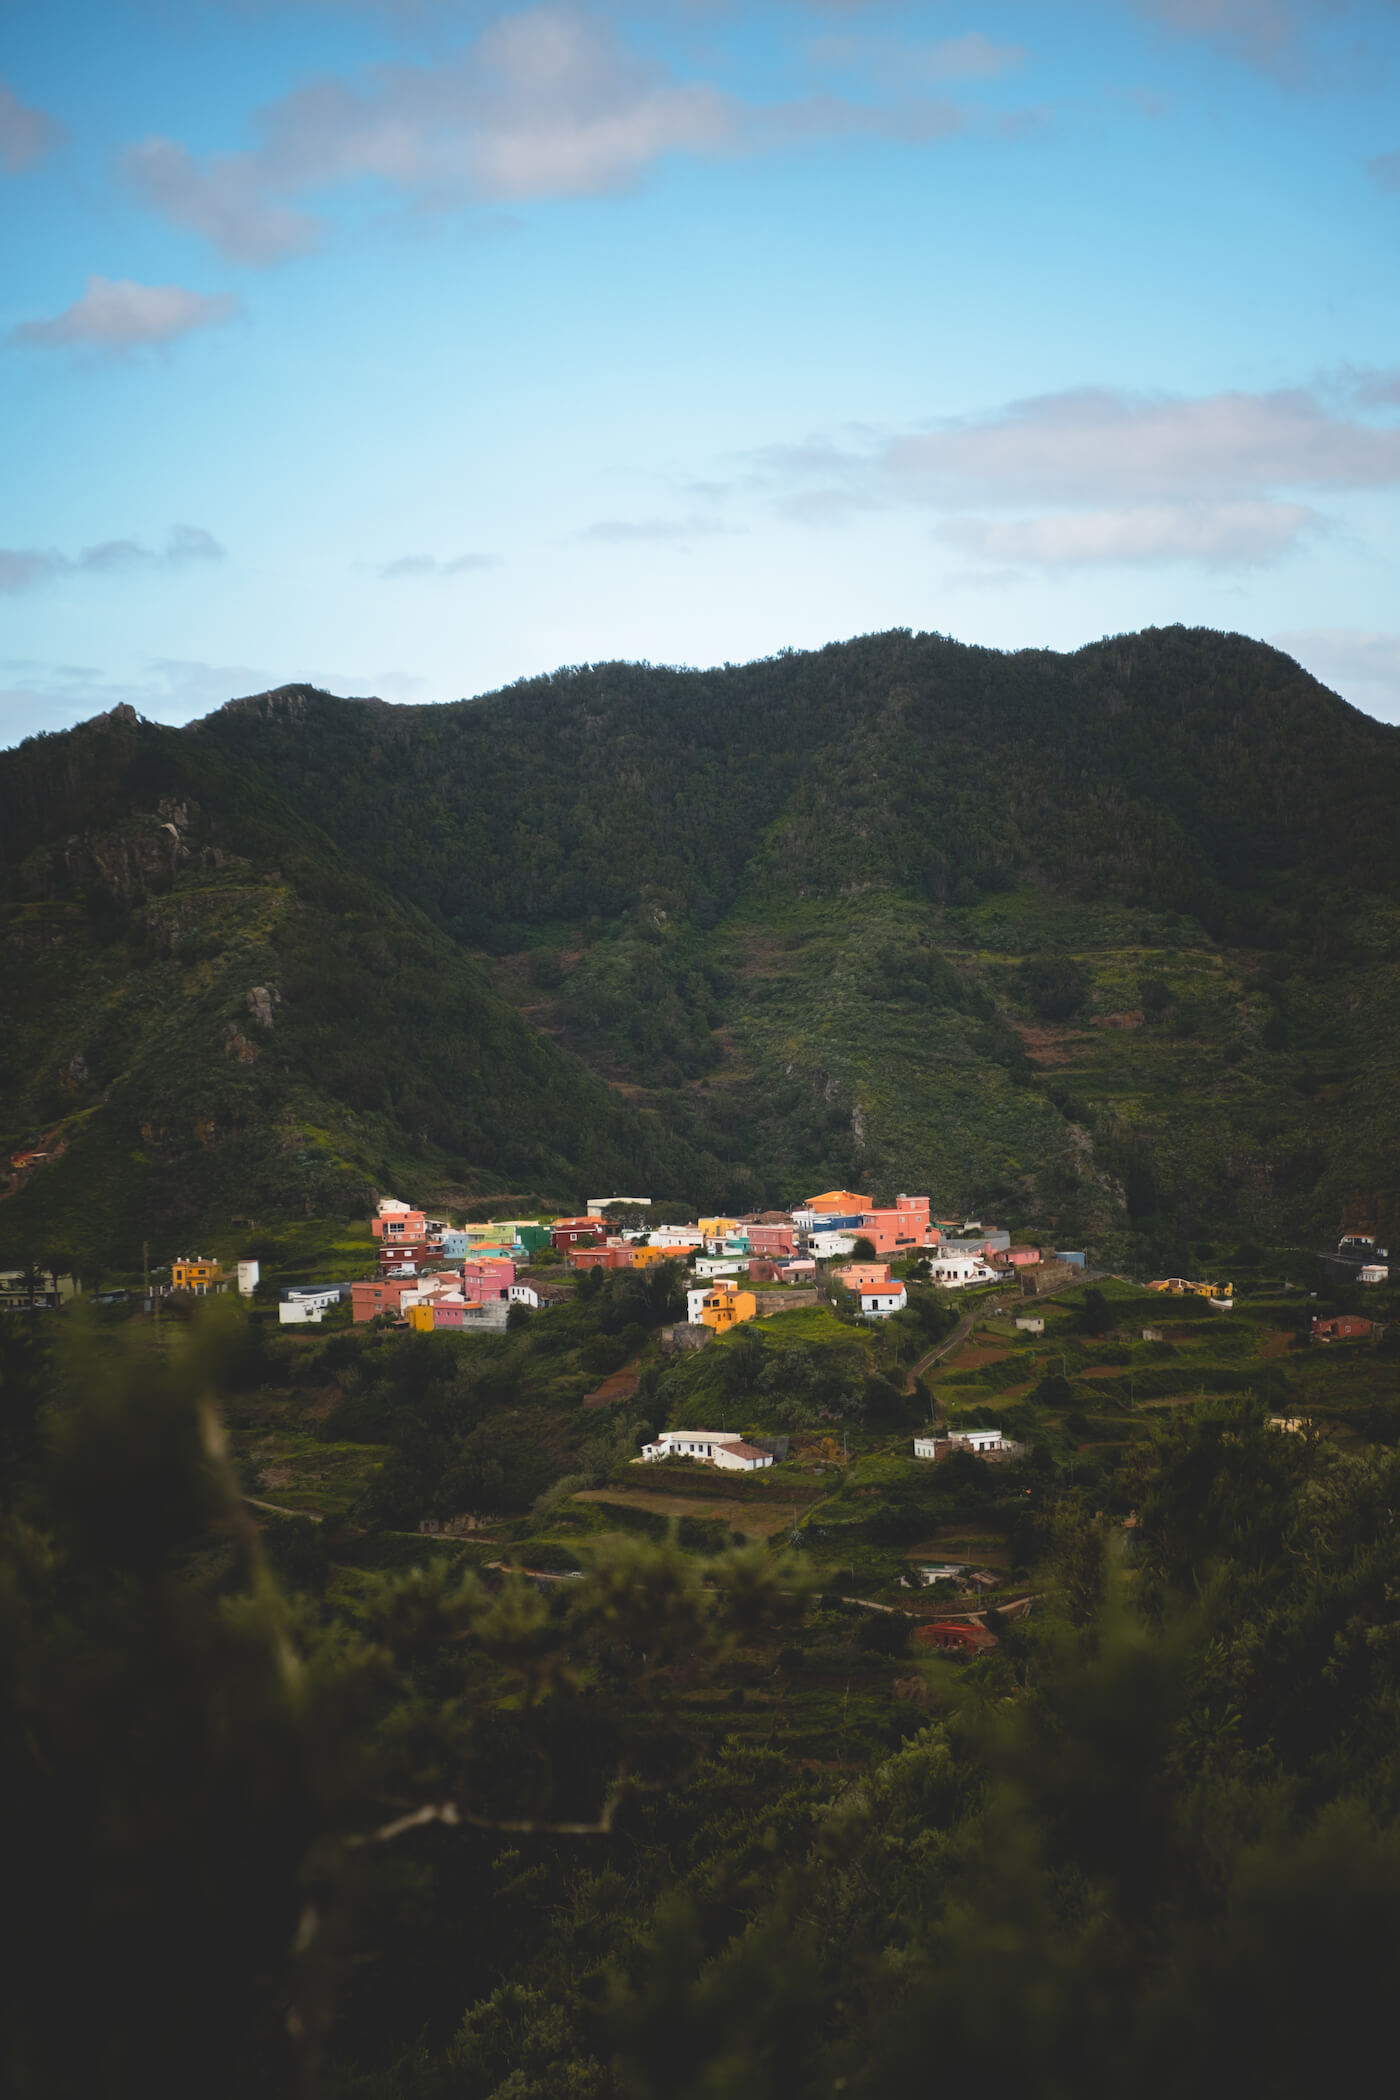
{"points": [[1372, 1272], [307, 1305], [530, 1294], [1031, 1323], [976, 1440], [878, 1305], [675, 1236], [955, 1272], [712, 1447], [247, 1278], [293, 1312], [826, 1244], [720, 1264]]}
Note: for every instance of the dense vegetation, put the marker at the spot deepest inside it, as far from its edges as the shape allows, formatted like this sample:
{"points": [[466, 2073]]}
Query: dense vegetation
{"points": [[327, 1807], [1104, 941]]}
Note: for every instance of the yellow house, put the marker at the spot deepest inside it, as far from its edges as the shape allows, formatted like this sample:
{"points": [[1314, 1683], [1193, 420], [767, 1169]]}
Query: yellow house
{"points": [[647, 1257], [197, 1273], [725, 1307], [717, 1228], [419, 1318]]}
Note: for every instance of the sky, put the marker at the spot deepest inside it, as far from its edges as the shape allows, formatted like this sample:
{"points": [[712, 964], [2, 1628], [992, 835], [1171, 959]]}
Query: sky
{"points": [[411, 347]]}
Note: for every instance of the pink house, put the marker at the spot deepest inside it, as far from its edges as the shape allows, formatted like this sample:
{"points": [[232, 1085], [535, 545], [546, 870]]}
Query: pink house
{"points": [[1016, 1257], [488, 1276], [771, 1242]]}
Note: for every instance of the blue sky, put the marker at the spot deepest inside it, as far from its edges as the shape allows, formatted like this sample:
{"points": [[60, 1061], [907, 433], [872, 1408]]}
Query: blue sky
{"points": [[414, 347]]}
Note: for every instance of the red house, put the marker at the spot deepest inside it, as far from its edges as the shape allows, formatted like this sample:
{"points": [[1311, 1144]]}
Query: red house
{"points": [[568, 1233], [380, 1294], [955, 1637], [601, 1254], [1345, 1327]]}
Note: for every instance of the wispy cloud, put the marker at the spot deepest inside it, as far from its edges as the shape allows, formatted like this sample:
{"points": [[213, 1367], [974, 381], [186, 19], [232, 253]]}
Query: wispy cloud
{"points": [[1384, 170], [1269, 35], [117, 315], [428, 565], [37, 696], [1107, 475], [22, 568], [673, 532], [1362, 664], [957, 58], [1216, 534], [26, 135], [547, 102]]}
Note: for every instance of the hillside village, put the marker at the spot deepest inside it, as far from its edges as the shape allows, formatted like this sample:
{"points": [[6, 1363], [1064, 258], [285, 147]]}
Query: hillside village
{"points": [[433, 1276]]}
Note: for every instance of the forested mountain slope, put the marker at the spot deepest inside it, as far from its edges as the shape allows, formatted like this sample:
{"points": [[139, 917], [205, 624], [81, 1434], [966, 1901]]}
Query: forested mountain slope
{"points": [[210, 1013], [1107, 940]]}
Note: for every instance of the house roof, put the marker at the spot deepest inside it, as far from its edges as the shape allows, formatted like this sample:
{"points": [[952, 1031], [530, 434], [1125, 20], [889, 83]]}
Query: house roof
{"points": [[742, 1450], [839, 1201]]}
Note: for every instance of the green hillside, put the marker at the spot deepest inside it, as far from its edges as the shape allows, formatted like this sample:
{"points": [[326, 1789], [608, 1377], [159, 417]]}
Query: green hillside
{"points": [[1106, 941], [212, 1015]]}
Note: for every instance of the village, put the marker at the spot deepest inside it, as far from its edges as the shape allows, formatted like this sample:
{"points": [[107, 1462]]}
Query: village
{"points": [[434, 1275]]}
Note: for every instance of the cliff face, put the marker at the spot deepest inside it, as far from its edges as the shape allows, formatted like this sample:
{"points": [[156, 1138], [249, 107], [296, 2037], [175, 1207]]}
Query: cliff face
{"points": [[1107, 941]]}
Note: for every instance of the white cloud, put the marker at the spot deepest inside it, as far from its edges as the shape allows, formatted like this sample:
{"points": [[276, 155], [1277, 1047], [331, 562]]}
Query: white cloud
{"points": [[1218, 534], [26, 134], [546, 102], [225, 199], [21, 568], [408, 565], [116, 315], [1108, 475], [1362, 664], [1098, 441]]}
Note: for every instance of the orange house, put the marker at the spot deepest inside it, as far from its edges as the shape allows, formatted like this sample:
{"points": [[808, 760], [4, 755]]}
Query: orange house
{"points": [[399, 1222], [864, 1276], [197, 1273], [839, 1203], [724, 1308]]}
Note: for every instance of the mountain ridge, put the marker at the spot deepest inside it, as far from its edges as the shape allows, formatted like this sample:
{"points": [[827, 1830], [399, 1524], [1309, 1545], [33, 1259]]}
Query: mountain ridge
{"points": [[789, 916]]}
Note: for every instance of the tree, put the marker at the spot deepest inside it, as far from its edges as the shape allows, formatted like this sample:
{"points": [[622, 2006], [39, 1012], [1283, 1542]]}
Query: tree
{"points": [[1095, 1313]]}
